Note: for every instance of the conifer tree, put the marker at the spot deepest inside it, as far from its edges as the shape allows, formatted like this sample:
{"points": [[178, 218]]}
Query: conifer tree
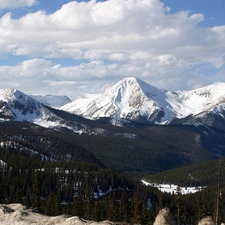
{"points": [[36, 192], [57, 197], [96, 211], [16, 195], [144, 210], [112, 211], [48, 206], [89, 202], [203, 208], [124, 206], [178, 205], [78, 204], [137, 207]]}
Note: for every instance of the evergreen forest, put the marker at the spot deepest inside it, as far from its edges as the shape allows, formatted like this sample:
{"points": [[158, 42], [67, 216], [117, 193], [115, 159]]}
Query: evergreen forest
{"points": [[90, 190]]}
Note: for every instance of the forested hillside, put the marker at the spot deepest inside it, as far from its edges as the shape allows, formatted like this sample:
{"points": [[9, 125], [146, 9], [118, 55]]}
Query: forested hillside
{"points": [[88, 189], [150, 149], [201, 174]]}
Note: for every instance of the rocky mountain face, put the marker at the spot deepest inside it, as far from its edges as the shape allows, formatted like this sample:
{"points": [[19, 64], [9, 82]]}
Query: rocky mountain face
{"points": [[134, 100], [17, 106]]}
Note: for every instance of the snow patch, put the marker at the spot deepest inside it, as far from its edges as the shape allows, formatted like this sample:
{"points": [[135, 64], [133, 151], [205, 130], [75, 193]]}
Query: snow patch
{"points": [[172, 189]]}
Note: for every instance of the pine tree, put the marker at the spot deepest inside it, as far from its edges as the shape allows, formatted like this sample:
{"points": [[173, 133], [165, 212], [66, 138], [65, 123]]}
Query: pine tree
{"points": [[57, 197], [178, 204], [112, 211], [89, 203], [137, 207], [124, 206], [203, 208], [218, 196], [27, 201], [36, 192], [16, 195], [96, 211], [144, 210], [78, 205], [48, 206]]}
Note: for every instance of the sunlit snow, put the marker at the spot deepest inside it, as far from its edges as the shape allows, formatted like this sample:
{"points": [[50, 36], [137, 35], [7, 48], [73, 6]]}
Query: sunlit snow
{"points": [[131, 98], [172, 189]]}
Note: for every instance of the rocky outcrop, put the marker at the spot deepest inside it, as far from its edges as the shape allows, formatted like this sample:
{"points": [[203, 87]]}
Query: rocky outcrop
{"points": [[164, 218], [19, 214], [206, 221]]}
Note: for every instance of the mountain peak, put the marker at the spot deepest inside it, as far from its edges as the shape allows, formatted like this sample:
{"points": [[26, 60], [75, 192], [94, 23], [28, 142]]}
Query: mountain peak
{"points": [[130, 98], [6, 94], [129, 80], [134, 99], [135, 83], [132, 81]]}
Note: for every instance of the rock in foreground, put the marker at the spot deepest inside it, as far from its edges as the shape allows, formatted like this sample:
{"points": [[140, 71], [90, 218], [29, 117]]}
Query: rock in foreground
{"points": [[20, 215]]}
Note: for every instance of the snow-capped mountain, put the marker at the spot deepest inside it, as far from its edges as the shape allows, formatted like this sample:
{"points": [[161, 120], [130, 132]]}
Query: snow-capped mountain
{"points": [[15, 105], [133, 99], [129, 99], [53, 101]]}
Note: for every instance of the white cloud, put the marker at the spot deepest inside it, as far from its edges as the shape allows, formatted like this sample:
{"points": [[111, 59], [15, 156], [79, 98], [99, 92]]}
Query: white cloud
{"points": [[117, 37], [16, 3]]}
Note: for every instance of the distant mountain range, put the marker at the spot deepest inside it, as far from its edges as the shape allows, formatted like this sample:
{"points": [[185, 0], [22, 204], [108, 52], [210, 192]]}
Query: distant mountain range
{"points": [[134, 100], [130, 100], [157, 129], [53, 101]]}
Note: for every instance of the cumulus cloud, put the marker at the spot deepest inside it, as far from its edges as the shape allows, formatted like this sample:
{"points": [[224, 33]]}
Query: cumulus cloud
{"points": [[116, 38], [10, 4]]}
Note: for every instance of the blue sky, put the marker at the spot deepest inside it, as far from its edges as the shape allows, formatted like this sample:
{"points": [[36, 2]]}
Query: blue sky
{"points": [[213, 10], [74, 47]]}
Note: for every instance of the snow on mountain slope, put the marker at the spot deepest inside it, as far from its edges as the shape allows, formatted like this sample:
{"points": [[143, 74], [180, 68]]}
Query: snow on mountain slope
{"points": [[200, 100], [52, 100], [20, 107], [134, 99], [127, 99]]}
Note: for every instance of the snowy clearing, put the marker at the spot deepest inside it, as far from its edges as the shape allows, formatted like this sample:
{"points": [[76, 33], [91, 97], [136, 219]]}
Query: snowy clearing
{"points": [[172, 188]]}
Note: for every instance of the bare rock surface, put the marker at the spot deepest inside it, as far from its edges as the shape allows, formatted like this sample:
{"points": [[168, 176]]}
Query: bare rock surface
{"points": [[20, 215], [206, 221], [164, 218]]}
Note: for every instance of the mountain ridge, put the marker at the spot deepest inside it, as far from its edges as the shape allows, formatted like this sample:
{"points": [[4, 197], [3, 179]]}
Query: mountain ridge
{"points": [[134, 99], [17, 106], [130, 99]]}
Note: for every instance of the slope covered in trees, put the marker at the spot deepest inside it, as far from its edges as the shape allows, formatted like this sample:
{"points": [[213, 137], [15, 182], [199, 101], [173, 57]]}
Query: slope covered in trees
{"points": [[137, 150], [91, 191], [200, 174], [72, 186]]}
